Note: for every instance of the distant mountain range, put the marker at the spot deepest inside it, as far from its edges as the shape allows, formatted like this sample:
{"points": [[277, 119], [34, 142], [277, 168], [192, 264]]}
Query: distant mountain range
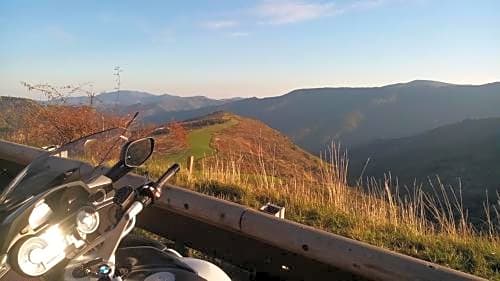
{"points": [[468, 151], [146, 103], [354, 116]]}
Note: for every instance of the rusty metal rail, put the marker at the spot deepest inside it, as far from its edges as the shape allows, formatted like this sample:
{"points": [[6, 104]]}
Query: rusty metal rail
{"points": [[262, 243]]}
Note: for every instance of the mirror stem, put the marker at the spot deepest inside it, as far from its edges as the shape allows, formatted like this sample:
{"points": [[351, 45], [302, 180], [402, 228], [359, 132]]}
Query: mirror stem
{"points": [[118, 171]]}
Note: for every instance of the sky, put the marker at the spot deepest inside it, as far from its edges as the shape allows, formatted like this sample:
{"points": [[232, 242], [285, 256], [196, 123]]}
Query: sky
{"points": [[228, 48]]}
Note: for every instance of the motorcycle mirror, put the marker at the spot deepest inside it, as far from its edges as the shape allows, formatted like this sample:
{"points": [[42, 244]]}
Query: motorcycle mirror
{"points": [[137, 152]]}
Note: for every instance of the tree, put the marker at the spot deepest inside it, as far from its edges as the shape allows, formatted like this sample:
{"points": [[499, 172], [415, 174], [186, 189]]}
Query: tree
{"points": [[178, 133], [60, 94], [55, 122]]}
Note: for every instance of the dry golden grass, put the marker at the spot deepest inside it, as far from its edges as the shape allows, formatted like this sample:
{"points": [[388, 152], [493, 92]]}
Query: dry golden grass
{"points": [[431, 226]]}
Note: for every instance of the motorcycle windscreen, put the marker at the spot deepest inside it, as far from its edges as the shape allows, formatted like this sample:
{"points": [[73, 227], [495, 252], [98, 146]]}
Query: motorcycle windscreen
{"points": [[81, 159]]}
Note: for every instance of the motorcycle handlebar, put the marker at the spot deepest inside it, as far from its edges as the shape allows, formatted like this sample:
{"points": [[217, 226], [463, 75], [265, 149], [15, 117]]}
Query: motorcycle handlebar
{"points": [[167, 175]]}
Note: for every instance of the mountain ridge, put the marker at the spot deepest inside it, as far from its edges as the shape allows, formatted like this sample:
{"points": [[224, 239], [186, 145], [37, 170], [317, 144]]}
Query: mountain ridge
{"points": [[127, 101], [315, 117], [416, 82]]}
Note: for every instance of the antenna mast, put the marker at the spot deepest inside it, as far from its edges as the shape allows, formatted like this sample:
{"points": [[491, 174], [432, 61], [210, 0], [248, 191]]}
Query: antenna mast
{"points": [[118, 81]]}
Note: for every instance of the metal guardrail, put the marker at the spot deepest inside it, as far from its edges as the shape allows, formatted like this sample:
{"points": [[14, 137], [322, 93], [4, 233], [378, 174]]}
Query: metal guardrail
{"points": [[260, 242]]}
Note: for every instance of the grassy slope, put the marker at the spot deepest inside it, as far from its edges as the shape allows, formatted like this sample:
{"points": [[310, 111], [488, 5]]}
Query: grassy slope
{"points": [[200, 139], [247, 143], [251, 145], [474, 254], [199, 142], [331, 206]]}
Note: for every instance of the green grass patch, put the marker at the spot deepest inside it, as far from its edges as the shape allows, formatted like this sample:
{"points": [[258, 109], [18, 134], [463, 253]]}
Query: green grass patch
{"points": [[199, 141]]}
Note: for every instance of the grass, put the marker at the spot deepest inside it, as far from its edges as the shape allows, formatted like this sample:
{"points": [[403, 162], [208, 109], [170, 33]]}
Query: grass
{"points": [[421, 225], [198, 141]]}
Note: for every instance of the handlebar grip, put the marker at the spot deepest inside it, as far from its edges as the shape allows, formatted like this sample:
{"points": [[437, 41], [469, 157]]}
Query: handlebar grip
{"points": [[167, 175]]}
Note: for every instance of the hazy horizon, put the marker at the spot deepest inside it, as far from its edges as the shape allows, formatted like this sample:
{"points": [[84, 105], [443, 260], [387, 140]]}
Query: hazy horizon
{"points": [[242, 48], [35, 95]]}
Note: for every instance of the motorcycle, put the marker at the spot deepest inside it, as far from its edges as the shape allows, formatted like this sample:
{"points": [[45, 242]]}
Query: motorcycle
{"points": [[66, 216]]}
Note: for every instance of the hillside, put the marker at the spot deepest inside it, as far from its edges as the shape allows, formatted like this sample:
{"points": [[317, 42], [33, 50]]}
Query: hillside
{"points": [[354, 116], [11, 110], [247, 143], [468, 150]]}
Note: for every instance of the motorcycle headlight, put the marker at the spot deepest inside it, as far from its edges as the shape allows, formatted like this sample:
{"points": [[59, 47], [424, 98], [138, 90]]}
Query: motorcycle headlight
{"points": [[37, 255], [87, 220], [39, 215]]}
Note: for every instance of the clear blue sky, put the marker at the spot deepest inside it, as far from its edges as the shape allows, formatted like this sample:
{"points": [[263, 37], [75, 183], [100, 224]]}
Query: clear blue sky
{"points": [[223, 48]]}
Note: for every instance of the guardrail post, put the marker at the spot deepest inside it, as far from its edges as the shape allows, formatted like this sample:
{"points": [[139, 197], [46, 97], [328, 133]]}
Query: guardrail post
{"points": [[190, 164]]}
